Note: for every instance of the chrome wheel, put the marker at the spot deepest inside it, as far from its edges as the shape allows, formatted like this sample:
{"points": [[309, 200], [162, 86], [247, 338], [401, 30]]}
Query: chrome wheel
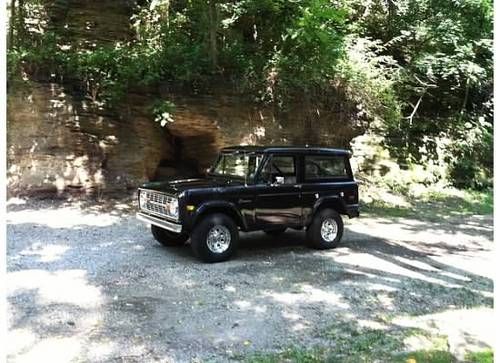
{"points": [[329, 230], [218, 239]]}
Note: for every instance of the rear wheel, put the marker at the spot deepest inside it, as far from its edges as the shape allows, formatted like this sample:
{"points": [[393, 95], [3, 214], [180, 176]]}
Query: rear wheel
{"points": [[215, 238], [326, 230], [168, 238]]}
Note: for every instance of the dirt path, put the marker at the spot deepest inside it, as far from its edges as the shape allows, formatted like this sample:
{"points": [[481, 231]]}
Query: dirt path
{"points": [[98, 283]]}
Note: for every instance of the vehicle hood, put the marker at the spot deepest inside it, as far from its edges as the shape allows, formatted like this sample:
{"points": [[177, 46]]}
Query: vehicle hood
{"points": [[180, 185]]}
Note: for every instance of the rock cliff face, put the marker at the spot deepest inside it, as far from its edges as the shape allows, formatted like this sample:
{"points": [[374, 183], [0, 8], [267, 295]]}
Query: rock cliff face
{"points": [[59, 141], [204, 124]]}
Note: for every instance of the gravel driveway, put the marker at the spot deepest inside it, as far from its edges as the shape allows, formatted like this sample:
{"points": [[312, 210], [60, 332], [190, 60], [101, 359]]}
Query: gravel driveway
{"points": [[89, 283]]}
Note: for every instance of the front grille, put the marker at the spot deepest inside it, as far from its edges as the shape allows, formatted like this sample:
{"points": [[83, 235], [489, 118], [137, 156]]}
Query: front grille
{"points": [[155, 203]]}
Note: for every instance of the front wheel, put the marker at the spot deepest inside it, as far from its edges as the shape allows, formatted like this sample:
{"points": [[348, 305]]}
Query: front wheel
{"points": [[215, 238], [326, 230], [168, 238]]}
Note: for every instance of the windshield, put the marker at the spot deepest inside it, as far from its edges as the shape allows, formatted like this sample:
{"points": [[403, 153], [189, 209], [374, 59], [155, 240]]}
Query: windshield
{"points": [[237, 165]]}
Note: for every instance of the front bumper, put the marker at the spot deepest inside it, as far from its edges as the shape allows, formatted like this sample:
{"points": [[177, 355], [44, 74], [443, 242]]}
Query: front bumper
{"points": [[169, 226]]}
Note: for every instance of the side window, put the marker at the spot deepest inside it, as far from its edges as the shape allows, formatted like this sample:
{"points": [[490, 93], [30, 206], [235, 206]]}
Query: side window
{"points": [[279, 169], [325, 167]]}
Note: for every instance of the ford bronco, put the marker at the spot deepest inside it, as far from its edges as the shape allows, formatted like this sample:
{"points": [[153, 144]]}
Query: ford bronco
{"points": [[253, 188]]}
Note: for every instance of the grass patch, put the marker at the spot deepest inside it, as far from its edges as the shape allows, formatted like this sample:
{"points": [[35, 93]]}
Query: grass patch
{"points": [[289, 355], [426, 356], [485, 356], [349, 343], [432, 204], [319, 356]]}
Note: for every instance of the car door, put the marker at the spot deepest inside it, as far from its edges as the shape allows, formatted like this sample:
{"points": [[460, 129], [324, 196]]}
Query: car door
{"points": [[277, 200]]}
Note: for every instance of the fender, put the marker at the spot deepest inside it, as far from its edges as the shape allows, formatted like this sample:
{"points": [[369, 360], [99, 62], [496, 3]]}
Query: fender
{"points": [[218, 206], [335, 200]]}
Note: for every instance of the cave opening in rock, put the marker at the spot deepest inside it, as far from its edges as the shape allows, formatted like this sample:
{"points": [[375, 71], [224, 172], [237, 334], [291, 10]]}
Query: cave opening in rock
{"points": [[180, 168]]}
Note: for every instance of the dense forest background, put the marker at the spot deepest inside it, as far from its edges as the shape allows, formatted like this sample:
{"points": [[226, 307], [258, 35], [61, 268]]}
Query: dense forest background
{"points": [[418, 74]]}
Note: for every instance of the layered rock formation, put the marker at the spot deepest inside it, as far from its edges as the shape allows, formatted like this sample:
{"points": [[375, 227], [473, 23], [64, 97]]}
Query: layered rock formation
{"points": [[205, 123], [59, 140]]}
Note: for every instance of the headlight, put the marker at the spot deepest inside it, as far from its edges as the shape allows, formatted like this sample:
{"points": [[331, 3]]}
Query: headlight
{"points": [[173, 208], [143, 200]]}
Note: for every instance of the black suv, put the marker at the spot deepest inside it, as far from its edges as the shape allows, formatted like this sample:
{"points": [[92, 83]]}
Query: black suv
{"points": [[253, 188]]}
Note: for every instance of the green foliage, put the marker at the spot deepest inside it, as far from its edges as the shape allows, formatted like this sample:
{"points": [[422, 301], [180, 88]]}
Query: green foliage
{"points": [[415, 70], [108, 72], [263, 47], [14, 62], [163, 111], [354, 344], [444, 80], [288, 355], [306, 356], [310, 47], [98, 71], [427, 356], [485, 356], [429, 205], [44, 57], [471, 160], [366, 75]]}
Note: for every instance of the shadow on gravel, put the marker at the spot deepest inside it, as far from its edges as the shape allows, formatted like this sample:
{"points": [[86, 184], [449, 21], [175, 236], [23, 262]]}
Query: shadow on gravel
{"points": [[111, 293], [122, 205], [477, 226]]}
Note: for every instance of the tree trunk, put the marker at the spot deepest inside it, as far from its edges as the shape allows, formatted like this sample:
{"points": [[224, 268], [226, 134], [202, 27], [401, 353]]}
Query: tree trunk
{"points": [[20, 21], [392, 14], [12, 24], [212, 33]]}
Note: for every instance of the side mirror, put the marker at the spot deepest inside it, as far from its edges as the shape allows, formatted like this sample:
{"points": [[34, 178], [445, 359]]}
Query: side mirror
{"points": [[278, 180]]}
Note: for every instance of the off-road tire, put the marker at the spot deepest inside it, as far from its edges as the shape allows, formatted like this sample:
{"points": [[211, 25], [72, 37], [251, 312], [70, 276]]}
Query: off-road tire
{"points": [[167, 238], [200, 233], [314, 235]]}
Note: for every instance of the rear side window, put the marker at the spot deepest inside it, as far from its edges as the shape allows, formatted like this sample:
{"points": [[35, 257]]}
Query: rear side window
{"points": [[279, 165], [325, 167]]}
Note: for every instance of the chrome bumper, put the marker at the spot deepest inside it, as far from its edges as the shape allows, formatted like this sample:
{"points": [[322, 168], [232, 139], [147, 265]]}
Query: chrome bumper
{"points": [[170, 226]]}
